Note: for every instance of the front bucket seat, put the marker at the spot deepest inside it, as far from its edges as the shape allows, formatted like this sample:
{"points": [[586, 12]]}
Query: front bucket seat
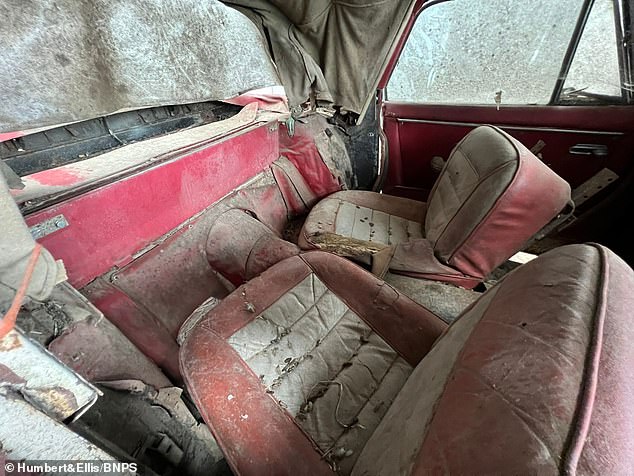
{"points": [[491, 197], [318, 365]]}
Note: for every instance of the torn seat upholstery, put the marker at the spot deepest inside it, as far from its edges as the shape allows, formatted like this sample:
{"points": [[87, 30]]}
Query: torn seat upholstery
{"points": [[490, 198], [318, 365]]}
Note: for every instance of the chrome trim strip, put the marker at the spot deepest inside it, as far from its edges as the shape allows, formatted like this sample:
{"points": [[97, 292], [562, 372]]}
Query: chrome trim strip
{"points": [[520, 128]]}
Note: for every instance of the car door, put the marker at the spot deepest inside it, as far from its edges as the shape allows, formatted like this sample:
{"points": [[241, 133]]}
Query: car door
{"points": [[554, 74]]}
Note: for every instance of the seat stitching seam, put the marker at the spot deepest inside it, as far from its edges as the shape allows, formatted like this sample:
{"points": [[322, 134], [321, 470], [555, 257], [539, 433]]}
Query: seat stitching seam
{"points": [[464, 204], [331, 330], [293, 324], [585, 408]]}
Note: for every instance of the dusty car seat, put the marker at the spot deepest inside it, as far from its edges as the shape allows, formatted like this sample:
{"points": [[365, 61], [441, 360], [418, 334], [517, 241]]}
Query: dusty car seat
{"points": [[318, 364], [492, 195]]}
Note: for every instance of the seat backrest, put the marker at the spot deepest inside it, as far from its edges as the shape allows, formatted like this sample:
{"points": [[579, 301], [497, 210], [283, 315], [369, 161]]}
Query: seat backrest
{"points": [[492, 195], [536, 377], [240, 247]]}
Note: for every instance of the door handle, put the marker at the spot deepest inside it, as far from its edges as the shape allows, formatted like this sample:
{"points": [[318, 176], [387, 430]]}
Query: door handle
{"points": [[598, 150]]}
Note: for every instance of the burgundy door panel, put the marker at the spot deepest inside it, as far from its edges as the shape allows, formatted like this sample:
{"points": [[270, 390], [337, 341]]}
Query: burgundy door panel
{"points": [[416, 133]]}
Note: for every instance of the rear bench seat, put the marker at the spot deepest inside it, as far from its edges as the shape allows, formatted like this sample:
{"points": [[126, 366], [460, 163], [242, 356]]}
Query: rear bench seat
{"points": [[318, 365]]}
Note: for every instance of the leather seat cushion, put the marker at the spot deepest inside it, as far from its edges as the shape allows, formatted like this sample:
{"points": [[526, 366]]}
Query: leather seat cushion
{"points": [[534, 378], [298, 359], [358, 223]]}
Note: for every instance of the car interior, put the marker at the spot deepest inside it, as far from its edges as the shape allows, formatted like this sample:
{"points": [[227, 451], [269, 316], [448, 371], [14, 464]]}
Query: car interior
{"points": [[294, 270]]}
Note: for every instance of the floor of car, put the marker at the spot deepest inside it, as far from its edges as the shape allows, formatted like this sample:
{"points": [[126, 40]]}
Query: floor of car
{"points": [[293, 228], [158, 431]]}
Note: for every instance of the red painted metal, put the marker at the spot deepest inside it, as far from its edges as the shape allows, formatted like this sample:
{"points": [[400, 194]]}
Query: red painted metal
{"points": [[108, 225], [138, 325], [413, 144], [60, 176], [303, 153], [10, 135]]}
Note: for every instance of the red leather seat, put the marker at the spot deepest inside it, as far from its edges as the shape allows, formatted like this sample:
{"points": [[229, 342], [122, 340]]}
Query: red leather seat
{"points": [[317, 364], [491, 197]]}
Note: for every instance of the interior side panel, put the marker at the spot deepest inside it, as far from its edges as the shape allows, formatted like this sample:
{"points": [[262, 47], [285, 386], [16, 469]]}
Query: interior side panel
{"points": [[151, 297], [108, 225], [139, 248], [416, 133]]}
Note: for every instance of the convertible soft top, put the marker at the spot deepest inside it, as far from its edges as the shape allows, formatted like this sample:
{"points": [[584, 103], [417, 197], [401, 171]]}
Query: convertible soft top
{"points": [[329, 50]]}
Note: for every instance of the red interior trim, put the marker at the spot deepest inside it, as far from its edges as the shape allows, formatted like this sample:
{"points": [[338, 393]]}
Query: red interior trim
{"points": [[256, 435], [586, 118], [418, 132], [108, 225]]}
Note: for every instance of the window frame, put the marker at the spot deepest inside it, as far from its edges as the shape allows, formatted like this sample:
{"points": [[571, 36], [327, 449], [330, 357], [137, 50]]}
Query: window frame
{"points": [[569, 57], [623, 17]]}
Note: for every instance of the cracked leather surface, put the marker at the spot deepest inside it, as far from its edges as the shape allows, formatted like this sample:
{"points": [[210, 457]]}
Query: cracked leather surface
{"points": [[324, 365]]}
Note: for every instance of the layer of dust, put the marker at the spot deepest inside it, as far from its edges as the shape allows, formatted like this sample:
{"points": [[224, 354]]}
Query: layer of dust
{"points": [[443, 299]]}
